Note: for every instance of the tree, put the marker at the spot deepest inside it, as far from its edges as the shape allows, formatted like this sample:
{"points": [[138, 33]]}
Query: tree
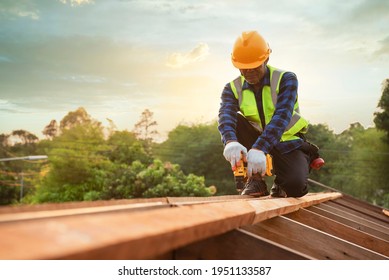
{"points": [[329, 147], [163, 179], [111, 129], [199, 150], [51, 130], [72, 119], [18, 144], [78, 168], [144, 128], [85, 166], [381, 119], [4, 140], [125, 148], [24, 137]]}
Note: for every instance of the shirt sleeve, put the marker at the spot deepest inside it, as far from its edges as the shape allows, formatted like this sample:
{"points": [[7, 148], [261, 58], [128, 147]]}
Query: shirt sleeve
{"points": [[228, 110], [286, 100]]}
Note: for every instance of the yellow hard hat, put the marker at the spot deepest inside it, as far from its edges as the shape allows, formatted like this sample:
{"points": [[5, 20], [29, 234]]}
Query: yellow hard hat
{"points": [[250, 50]]}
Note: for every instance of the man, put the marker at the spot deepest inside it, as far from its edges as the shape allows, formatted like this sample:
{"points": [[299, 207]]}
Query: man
{"points": [[259, 115]]}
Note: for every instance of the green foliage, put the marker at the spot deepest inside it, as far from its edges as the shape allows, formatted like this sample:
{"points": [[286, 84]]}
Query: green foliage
{"points": [[92, 195], [329, 147], [11, 171], [125, 148], [24, 137], [365, 168], [381, 119], [77, 166], [8, 194], [77, 118], [145, 131], [84, 165], [155, 180], [356, 162], [198, 150], [168, 180]]}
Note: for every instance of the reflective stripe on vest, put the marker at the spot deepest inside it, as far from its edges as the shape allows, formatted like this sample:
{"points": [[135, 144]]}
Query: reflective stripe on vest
{"points": [[245, 97]]}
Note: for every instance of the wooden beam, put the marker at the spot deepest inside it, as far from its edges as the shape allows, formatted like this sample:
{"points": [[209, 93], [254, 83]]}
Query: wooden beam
{"points": [[368, 215], [310, 241], [237, 245], [350, 222], [266, 209], [178, 201], [23, 216], [363, 207], [359, 218], [340, 230], [78, 205]]}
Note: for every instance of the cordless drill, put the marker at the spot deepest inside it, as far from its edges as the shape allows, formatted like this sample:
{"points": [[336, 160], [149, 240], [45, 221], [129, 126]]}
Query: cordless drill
{"points": [[240, 172]]}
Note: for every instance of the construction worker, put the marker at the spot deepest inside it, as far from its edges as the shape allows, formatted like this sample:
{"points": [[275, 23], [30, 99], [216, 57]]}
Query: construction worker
{"points": [[259, 115]]}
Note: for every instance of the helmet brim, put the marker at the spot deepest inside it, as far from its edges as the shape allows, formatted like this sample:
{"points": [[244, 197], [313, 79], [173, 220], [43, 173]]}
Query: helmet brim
{"points": [[251, 65]]}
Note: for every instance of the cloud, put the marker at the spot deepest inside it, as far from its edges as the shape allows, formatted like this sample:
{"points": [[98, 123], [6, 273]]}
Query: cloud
{"points": [[4, 59], [371, 10], [58, 73], [75, 3], [7, 106], [22, 9], [84, 79], [178, 60], [384, 47]]}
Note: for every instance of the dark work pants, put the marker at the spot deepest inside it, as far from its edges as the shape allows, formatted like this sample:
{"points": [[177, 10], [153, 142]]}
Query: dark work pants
{"points": [[291, 169]]}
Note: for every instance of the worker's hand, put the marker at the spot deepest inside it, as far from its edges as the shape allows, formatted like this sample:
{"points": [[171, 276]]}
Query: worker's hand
{"points": [[233, 152], [256, 162]]}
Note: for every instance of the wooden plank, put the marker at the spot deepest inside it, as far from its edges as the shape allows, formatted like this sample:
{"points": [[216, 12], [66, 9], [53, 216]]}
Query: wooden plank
{"points": [[310, 241], [88, 204], [266, 209], [114, 235], [340, 230], [137, 234], [28, 212], [194, 200], [362, 206], [355, 203], [347, 221], [237, 245], [77, 205], [365, 214], [358, 218], [23, 216]]}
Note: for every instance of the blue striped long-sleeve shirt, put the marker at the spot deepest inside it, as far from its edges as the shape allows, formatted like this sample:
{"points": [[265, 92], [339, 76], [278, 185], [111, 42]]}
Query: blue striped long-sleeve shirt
{"points": [[273, 131]]}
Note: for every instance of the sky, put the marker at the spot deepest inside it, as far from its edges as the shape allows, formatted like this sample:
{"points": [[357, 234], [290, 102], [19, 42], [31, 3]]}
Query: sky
{"points": [[118, 58]]}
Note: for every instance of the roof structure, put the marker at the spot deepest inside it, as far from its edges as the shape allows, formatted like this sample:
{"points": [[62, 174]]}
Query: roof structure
{"points": [[325, 225]]}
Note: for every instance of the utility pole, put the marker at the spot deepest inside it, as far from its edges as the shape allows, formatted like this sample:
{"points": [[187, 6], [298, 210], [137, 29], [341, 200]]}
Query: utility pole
{"points": [[38, 157]]}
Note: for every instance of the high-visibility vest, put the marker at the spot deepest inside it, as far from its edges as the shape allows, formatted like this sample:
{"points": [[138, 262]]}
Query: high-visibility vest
{"points": [[248, 105]]}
